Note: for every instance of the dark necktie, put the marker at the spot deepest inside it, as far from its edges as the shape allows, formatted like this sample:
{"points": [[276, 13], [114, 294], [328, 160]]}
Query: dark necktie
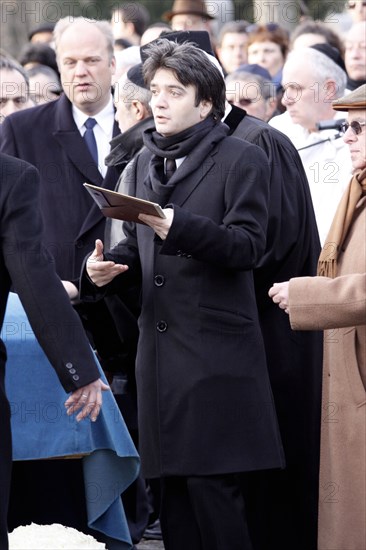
{"points": [[90, 138], [170, 168]]}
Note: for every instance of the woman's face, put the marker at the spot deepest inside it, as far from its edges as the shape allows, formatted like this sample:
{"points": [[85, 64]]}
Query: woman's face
{"points": [[267, 54]]}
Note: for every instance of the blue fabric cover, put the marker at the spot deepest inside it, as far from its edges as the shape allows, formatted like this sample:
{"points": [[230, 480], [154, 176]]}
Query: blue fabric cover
{"points": [[42, 429]]}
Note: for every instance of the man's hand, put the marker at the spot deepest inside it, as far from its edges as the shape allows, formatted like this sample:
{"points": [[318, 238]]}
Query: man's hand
{"points": [[88, 399], [161, 226], [279, 294], [99, 271], [71, 290]]}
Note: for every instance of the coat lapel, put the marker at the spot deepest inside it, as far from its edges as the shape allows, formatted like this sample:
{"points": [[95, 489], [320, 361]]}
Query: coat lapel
{"points": [[187, 184], [68, 137]]}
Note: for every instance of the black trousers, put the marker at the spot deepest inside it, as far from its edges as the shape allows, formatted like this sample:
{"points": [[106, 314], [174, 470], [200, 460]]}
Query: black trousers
{"points": [[203, 513], [5, 460]]}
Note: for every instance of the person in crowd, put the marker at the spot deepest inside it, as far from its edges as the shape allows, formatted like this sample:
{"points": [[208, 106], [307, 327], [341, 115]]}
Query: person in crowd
{"points": [[154, 31], [355, 55], [295, 372], [312, 77], [46, 305], [134, 116], [121, 44], [247, 89], [335, 301], [189, 15], [42, 33], [14, 87], [315, 32], [200, 352], [129, 21], [231, 48], [38, 54], [125, 59], [357, 10], [268, 47], [68, 152], [44, 84]]}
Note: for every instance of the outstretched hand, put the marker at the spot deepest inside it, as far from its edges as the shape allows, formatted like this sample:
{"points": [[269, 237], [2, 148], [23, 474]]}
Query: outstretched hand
{"points": [[279, 294], [87, 398], [102, 272]]}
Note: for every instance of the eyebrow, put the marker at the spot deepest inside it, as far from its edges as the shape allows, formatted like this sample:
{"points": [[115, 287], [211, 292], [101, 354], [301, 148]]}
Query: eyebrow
{"points": [[170, 86]]}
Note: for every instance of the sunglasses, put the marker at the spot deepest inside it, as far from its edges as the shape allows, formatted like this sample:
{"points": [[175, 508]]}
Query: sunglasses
{"points": [[355, 126], [352, 5]]}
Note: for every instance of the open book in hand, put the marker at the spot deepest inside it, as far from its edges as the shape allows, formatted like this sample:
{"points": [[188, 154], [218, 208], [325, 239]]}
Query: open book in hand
{"points": [[121, 206]]}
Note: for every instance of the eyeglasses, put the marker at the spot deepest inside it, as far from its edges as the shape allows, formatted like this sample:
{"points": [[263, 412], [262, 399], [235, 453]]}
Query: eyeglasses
{"points": [[355, 126], [352, 5]]}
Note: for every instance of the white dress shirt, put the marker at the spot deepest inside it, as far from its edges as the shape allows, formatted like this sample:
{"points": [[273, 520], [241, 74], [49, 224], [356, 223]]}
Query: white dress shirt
{"points": [[103, 130]]}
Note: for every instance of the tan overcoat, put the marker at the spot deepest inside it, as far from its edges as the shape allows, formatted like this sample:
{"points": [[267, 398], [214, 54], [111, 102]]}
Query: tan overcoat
{"points": [[339, 305]]}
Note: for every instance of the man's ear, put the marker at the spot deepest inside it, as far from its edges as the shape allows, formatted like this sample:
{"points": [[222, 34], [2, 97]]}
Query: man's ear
{"points": [[138, 109], [205, 108]]}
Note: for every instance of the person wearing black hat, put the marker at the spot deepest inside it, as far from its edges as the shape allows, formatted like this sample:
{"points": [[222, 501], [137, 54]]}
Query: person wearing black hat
{"points": [[283, 505], [335, 301], [312, 78]]}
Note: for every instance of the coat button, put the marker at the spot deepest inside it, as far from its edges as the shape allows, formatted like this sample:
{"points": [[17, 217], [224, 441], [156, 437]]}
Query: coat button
{"points": [[159, 280], [75, 377], [72, 371], [69, 365], [161, 326]]}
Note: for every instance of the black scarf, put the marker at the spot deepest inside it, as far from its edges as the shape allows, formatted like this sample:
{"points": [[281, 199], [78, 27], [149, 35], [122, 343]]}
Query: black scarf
{"points": [[353, 84], [196, 141]]}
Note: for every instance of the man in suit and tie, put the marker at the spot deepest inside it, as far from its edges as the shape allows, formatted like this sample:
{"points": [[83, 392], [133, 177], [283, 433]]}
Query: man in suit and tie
{"points": [[26, 265], [67, 140]]}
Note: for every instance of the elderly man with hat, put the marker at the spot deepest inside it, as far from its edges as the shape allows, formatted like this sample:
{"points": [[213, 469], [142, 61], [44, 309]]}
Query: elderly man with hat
{"points": [[189, 15], [335, 301]]}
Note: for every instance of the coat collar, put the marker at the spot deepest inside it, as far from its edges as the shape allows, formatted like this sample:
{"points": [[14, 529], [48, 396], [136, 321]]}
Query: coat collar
{"points": [[126, 145]]}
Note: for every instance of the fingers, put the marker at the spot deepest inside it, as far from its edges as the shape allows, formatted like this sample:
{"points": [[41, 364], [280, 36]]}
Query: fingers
{"points": [[87, 400]]}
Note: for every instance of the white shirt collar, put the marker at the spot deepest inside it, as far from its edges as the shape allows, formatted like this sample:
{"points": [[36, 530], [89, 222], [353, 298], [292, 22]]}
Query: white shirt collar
{"points": [[102, 118]]}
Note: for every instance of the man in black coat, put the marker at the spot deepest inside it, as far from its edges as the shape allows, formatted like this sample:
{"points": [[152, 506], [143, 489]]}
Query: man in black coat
{"points": [[294, 358], [206, 413], [52, 138], [27, 266]]}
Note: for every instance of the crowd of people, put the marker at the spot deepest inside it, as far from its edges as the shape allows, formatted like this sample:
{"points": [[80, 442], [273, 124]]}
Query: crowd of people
{"points": [[249, 418]]}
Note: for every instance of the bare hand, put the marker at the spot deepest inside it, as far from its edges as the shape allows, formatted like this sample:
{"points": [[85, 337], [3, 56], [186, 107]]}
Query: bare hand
{"points": [[279, 294], [71, 290], [101, 272], [87, 398], [161, 226]]}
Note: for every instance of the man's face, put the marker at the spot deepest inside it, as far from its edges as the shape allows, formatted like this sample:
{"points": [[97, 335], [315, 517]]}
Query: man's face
{"points": [[355, 54], [85, 67], [233, 50], [306, 100], [189, 22], [13, 92], [246, 94], [357, 143], [174, 105], [123, 95]]}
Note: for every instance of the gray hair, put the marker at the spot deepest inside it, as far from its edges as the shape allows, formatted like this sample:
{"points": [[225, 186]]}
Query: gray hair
{"points": [[128, 91], [266, 89], [103, 26], [10, 64], [322, 66]]}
